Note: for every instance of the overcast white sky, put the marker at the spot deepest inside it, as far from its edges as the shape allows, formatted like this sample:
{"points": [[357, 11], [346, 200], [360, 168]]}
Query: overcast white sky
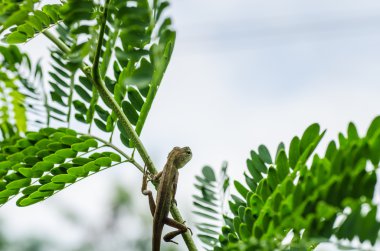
{"points": [[243, 73]]}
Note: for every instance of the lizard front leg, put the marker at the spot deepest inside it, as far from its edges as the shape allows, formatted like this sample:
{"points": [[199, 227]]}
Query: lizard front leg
{"points": [[174, 188], [145, 191]]}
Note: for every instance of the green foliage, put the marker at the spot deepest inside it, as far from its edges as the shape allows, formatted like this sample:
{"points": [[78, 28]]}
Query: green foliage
{"points": [[307, 200], [140, 61], [138, 46], [294, 194], [62, 77], [77, 11], [14, 12], [44, 162], [34, 23], [210, 203], [138, 65]]}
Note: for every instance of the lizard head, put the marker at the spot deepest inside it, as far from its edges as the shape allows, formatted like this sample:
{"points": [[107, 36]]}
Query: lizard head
{"points": [[181, 156]]}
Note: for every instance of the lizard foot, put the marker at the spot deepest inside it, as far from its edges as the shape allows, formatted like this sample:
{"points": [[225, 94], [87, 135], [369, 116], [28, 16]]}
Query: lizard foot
{"points": [[148, 176], [145, 172], [155, 178], [191, 231]]}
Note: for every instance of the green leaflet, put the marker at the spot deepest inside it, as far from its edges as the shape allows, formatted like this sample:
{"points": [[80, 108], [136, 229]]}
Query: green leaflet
{"points": [[74, 11], [17, 37], [291, 195], [36, 167]]}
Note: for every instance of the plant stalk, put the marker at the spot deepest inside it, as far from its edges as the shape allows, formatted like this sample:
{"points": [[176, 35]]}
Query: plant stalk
{"points": [[93, 74]]}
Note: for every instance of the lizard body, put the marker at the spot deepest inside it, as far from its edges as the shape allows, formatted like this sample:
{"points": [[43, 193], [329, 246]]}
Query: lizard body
{"points": [[166, 191]]}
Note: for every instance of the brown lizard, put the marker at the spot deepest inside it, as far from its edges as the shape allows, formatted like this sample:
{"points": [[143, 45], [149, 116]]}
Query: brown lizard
{"points": [[166, 191]]}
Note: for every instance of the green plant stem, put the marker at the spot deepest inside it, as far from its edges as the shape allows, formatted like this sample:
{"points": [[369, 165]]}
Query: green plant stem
{"points": [[187, 237], [94, 76], [129, 158], [58, 42]]}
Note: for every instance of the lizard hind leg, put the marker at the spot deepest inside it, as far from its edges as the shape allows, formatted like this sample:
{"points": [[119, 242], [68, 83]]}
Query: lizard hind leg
{"points": [[173, 223]]}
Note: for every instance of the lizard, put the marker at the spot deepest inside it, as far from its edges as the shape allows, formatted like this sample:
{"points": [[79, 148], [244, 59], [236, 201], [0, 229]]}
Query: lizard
{"points": [[166, 191]]}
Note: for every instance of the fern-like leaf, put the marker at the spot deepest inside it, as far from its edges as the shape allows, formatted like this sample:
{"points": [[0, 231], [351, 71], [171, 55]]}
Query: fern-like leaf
{"points": [[45, 162], [287, 196], [34, 23], [61, 80], [21, 106], [14, 12], [141, 61], [209, 204]]}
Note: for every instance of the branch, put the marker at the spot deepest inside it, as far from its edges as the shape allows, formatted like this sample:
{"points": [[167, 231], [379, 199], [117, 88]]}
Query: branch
{"points": [[92, 73]]}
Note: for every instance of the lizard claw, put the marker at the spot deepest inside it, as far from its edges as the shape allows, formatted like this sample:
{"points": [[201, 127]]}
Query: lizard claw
{"points": [[174, 242], [145, 171], [191, 231], [148, 176], [145, 182]]}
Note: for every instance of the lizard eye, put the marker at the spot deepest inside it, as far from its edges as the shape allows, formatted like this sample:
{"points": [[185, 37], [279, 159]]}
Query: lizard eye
{"points": [[188, 152]]}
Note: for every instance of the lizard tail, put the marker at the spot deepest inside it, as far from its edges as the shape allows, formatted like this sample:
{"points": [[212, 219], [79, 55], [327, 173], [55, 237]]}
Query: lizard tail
{"points": [[156, 239]]}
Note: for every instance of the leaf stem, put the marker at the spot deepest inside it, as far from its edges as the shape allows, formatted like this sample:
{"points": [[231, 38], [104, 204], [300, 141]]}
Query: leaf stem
{"points": [[70, 100], [45, 101], [58, 42], [109, 144]]}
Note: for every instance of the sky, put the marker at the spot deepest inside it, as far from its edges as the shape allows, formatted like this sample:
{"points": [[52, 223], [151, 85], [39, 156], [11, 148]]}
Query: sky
{"points": [[243, 73]]}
